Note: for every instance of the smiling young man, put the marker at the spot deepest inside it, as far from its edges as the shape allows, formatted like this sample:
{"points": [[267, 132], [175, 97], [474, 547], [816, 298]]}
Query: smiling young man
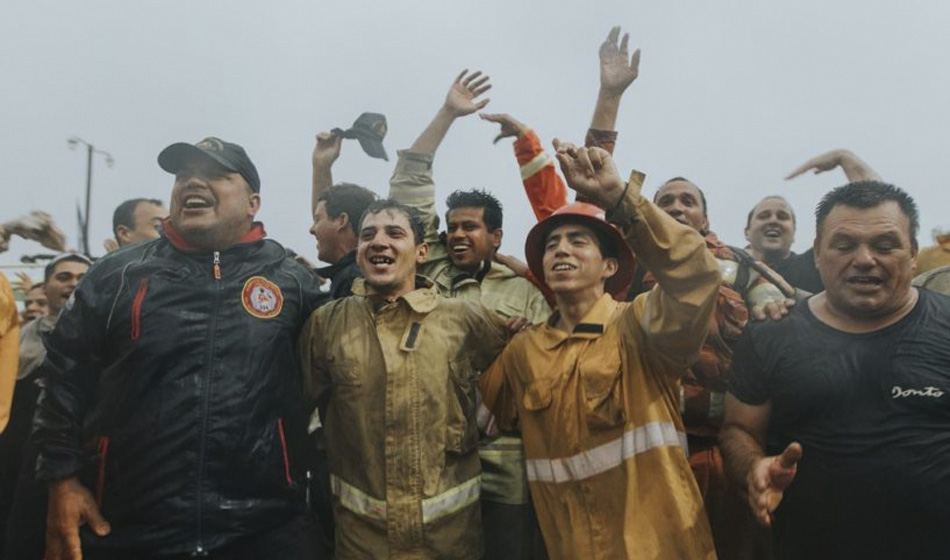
{"points": [[399, 365], [838, 417], [594, 389], [462, 264], [171, 421]]}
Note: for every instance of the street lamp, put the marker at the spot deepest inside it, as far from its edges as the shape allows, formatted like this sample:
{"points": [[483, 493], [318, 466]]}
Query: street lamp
{"points": [[110, 161]]}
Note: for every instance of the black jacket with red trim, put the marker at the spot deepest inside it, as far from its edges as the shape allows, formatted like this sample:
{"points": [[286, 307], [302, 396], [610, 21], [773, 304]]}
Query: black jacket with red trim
{"points": [[172, 389]]}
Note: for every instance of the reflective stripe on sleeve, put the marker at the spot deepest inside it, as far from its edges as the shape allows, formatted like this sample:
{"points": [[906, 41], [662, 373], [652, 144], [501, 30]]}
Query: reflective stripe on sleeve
{"points": [[436, 507], [535, 165], [607, 456]]}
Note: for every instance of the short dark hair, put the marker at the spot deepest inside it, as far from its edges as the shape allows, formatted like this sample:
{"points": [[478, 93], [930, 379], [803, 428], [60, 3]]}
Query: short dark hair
{"points": [[868, 194], [124, 214], [347, 198], [748, 220], [64, 257], [477, 198], [702, 195], [411, 213]]}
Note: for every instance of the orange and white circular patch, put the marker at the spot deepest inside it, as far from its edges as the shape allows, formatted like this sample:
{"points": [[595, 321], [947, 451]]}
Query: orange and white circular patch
{"points": [[262, 298]]}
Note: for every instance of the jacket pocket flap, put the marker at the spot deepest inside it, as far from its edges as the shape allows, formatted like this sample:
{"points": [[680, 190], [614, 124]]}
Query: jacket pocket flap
{"points": [[537, 396]]}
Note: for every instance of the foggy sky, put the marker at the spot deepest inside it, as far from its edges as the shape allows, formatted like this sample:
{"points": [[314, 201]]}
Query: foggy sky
{"points": [[732, 95]]}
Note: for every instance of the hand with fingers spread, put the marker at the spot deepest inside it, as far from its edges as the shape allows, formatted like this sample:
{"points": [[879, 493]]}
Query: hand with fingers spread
{"points": [[768, 479], [618, 69], [70, 505], [854, 168], [510, 127], [327, 149], [591, 172], [462, 97]]}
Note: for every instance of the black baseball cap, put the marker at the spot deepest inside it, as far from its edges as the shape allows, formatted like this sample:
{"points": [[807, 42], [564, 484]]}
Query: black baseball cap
{"points": [[231, 156], [369, 129]]}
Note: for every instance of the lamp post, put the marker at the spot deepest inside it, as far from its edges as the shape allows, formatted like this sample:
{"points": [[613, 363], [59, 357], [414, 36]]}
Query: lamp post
{"points": [[90, 151]]}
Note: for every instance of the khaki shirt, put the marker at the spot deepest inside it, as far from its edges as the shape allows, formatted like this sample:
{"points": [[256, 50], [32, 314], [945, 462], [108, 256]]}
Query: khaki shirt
{"points": [[499, 289], [599, 411], [400, 423], [32, 348]]}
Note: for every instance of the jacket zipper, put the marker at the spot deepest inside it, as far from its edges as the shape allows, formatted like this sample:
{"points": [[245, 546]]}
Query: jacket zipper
{"points": [[137, 308], [103, 449], [283, 448], [206, 400]]}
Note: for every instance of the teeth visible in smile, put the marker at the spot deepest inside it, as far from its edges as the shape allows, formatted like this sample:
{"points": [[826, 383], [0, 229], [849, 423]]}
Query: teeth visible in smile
{"points": [[772, 233], [196, 202], [381, 260], [563, 267], [459, 248]]}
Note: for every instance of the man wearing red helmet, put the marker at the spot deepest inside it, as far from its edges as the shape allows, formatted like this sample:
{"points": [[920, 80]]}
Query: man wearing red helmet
{"points": [[594, 388]]}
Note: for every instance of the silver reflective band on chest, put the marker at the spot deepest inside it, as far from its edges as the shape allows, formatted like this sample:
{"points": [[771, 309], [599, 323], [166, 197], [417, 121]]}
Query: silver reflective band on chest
{"points": [[607, 456], [436, 507]]}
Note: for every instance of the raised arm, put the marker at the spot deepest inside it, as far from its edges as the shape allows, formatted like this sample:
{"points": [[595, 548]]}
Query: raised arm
{"points": [[412, 181], [460, 101], [855, 169], [325, 153], [673, 317], [544, 187], [618, 69]]}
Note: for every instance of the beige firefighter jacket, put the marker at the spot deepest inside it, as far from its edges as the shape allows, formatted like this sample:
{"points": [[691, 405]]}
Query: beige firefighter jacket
{"points": [[400, 421]]}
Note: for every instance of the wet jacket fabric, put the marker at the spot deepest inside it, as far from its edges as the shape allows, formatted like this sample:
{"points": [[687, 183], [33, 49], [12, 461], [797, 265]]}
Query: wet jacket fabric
{"points": [[598, 407], [400, 423], [172, 390], [496, 287]]}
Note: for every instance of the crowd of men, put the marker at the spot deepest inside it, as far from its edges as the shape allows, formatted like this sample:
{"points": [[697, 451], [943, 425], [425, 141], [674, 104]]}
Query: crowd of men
{"points": [[637, 388]]}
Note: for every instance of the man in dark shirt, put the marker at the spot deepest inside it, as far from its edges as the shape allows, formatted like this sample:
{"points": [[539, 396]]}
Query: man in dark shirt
{"points": [[838, 418], [337, 210]]}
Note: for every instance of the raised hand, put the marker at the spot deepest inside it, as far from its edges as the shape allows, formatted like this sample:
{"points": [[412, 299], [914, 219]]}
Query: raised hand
{"points": [[769, 478], [853, 167], [510, 127], [327, 149], [461, 99], [591, 172], [618, 69]]}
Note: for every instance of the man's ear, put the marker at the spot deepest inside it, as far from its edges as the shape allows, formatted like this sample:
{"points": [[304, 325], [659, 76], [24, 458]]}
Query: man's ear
{"points": [[342, 221], [746, 232], [122, 234], [611, 267], [496, 238], [254, 205], [422, 252]]}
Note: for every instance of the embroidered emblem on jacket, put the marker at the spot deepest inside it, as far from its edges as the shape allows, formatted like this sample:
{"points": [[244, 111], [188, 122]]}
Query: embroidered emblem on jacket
{"points": [[262, 298]]}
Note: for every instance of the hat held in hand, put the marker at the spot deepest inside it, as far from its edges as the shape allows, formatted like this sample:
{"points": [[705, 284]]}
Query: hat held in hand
{"points": [[369, 129]]}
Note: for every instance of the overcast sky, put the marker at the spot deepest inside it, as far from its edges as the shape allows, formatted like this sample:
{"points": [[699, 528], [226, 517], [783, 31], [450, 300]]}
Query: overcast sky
{"points": [[732, 95]]}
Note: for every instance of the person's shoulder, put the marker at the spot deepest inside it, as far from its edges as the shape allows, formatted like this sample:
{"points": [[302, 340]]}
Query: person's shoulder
{"points": [[936, 303], [799, 320]]}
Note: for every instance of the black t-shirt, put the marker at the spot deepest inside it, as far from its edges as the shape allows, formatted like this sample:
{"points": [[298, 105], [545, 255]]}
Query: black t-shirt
{"points": [[872, 412], [800, 271]]}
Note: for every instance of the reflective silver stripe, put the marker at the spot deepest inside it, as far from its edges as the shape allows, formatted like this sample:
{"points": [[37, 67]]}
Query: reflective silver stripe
{"points": [[357, 501], [535, 165], [436, 507], [452, 500], [607, 456]]}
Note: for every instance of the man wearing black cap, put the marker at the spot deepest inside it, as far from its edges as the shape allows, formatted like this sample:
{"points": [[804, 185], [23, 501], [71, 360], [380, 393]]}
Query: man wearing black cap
{"points": [[171, 421]]}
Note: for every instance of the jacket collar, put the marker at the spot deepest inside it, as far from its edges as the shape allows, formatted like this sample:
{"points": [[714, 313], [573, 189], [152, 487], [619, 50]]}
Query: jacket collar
{"points": [[330, 272], [591, 326], [255, 234], [423, 299]]}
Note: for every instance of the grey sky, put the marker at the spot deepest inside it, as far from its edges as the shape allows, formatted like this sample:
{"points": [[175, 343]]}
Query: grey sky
{"points": [[732, 95]]}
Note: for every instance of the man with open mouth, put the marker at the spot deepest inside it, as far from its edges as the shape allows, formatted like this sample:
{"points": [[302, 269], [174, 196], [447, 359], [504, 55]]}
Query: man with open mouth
{"points": [[171, 422], [837, 417], [594, 388]]}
